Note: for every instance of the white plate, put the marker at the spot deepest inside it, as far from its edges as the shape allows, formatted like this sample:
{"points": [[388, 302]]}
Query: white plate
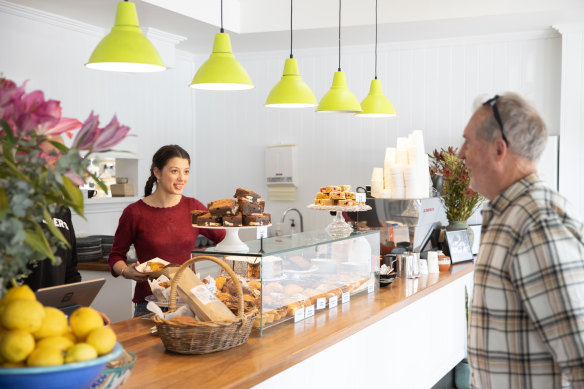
{"points": [[230, 228], [337, 208]]}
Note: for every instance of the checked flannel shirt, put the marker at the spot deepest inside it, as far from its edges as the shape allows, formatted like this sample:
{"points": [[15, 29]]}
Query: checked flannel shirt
{"points": [[527, 315]]}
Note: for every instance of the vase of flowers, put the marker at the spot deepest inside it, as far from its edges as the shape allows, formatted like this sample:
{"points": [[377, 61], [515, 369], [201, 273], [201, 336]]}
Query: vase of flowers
{"points": [[459, 200], [39, 174]]}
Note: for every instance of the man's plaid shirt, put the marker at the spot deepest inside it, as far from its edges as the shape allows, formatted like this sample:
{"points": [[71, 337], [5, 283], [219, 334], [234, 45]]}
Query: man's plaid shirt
{"points": [[527, 315]]}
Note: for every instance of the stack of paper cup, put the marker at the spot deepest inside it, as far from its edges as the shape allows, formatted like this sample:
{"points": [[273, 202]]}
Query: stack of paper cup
{"points": [[412, 182], [377, 181], [426, 183], [405, 169], [401, 153], [398, 189]]}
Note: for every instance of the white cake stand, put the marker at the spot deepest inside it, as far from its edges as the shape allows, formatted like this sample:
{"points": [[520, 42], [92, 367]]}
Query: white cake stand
{"points": [[231, 243], [339, 228]]}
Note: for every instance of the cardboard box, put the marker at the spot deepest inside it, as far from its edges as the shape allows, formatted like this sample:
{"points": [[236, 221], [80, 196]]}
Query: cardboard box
{"points": [[122, 190]]}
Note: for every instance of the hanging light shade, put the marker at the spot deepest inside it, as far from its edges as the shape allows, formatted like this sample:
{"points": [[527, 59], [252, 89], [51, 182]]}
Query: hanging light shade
{"points": [[221, 71], [125, 48], [339, 98], [376, 105], [291, 91]]}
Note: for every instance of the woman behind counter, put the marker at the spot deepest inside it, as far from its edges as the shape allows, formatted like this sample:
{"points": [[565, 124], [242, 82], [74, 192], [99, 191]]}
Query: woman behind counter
{"points": [[159, 225]]}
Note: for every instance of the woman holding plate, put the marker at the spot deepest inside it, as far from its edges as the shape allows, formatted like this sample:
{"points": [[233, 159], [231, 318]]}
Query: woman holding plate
{"points": [[159, 225]]}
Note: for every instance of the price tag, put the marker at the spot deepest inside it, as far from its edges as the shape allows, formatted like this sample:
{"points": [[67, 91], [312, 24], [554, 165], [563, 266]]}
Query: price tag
{"points": [[309, 311], [320, 303], [360, 197], [333, 301], [346, 297], [299, 314], [370, 288], [262, 232]]}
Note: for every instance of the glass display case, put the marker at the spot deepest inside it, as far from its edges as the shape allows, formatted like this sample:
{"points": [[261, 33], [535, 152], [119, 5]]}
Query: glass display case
{"points": [[292, 277]]}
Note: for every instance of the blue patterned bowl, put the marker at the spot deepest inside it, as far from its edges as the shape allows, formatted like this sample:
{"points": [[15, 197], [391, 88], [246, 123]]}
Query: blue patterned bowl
{"points": [[68, 376], [111, 378]]}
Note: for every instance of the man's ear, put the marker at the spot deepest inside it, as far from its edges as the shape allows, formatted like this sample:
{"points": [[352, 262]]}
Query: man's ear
{"points": [[501, 149]]}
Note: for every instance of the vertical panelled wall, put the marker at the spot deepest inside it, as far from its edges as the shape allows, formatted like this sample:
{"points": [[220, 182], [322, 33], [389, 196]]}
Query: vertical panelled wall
{"points": [[50, 52], [572, 116], [432, 85]]}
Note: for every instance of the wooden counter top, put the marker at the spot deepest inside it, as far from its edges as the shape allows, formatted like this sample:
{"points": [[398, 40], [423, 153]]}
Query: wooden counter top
{"points": [[263, 357], [94, 266]]}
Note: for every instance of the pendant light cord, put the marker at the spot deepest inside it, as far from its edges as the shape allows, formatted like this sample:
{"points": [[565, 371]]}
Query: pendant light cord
{"points": [[376, 39], [222, 30], [291, 56], [339, 35]]}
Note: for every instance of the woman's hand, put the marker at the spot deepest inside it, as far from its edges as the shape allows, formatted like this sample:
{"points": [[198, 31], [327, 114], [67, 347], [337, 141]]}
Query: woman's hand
{"points": [[131, 273]]}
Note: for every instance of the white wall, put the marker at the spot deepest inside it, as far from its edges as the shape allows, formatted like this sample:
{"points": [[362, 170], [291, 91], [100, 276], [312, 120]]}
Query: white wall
{"points": [[432, 85]]}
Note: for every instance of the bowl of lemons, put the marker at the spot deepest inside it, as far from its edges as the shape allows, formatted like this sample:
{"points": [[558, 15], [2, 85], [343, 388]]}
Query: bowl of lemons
{"points": [[116, 372], [41, 348]]}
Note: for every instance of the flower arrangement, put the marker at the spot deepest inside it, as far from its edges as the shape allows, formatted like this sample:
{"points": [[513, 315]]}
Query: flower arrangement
{"points": [[38, 174], [459, 200]]}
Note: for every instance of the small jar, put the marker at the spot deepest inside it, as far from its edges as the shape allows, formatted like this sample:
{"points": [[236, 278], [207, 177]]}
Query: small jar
{"points": [[443, 262]]}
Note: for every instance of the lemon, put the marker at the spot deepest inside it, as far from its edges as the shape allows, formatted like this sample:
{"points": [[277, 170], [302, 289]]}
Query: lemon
{"points": [[23, 292], [3, 303], [23, 314], [13, 365], [70, 335], [54, 324], [16, 345], [45, 356], [102, 339], [60, 342], [84, 320], [80, 352]]}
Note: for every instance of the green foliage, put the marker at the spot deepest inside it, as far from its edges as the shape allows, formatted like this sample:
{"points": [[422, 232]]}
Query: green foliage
{"points": [[459, 200], [31, 190]]}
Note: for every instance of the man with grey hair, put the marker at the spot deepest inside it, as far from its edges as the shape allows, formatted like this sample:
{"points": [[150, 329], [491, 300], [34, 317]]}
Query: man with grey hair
{"points": [[527, 315]]}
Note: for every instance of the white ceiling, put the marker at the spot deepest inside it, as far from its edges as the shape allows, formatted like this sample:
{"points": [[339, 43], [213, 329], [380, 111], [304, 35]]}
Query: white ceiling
{"points": [[259, 25]]}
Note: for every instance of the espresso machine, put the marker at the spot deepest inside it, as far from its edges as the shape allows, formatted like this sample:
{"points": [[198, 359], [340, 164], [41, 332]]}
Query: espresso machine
{"points": [[410, 225]]}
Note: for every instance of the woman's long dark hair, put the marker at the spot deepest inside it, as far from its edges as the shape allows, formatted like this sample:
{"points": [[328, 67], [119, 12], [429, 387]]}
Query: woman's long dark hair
{"points": [[160, 159]]}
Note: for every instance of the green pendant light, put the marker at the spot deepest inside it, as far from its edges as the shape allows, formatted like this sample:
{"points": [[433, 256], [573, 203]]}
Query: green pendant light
{"points": [[291, 91], [221, 71], [339, 98], [376, 105], [125, 48]]}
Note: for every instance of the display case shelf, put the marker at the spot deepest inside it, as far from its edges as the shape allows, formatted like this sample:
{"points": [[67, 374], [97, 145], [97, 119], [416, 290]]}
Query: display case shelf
{"points": [[288, 278]]}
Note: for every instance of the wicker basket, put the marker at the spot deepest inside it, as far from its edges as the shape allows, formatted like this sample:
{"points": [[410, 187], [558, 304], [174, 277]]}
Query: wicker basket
{"points": [[204, 337]]}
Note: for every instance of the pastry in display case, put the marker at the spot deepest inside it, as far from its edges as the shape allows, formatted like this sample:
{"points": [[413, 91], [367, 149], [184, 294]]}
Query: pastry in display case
{"points": [[288, 277]]}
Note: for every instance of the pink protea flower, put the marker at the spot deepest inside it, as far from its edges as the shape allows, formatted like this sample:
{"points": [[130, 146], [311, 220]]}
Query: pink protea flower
{"points": [[32, 112], [91, 137], [9, 93]]}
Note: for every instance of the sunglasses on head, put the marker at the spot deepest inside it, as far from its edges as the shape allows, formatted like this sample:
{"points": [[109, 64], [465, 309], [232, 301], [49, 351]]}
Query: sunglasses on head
{"points": [[492, 102]]}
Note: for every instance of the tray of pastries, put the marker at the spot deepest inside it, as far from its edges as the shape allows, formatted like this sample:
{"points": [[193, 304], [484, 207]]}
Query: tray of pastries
{"points": [[245, 209], [278, 300], [338, 198]]}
